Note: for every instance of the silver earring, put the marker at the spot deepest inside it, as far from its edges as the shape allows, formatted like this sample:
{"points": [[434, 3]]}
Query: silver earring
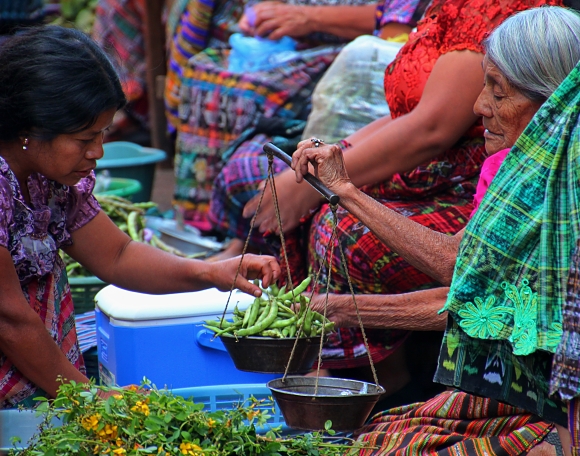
{"points": [[25, 145]]}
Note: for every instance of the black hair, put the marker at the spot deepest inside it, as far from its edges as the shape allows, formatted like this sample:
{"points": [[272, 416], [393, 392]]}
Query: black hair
{"points": [[54, 80]]}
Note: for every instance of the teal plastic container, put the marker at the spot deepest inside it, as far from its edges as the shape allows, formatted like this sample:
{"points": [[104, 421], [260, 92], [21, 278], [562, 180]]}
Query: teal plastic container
{"points": [[126, 188], [132, 161]]}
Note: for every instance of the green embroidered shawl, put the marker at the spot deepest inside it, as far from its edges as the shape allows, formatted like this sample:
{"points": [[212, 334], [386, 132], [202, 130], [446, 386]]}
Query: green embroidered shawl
{"points": [[510, 277]]}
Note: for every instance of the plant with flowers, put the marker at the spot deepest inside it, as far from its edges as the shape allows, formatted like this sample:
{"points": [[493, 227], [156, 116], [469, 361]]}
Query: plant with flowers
{"points": [[98, 420]]}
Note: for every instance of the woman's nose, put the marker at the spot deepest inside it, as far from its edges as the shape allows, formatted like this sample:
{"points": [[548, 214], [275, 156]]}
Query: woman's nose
{"points": [[481, 106], [96, 151]]}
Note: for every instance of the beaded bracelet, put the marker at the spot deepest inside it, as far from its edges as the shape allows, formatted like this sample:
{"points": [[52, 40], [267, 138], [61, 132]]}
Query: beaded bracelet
{"points": [[343, 144]]}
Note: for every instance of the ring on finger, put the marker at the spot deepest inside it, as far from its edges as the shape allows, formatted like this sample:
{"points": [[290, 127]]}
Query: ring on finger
{"points": [[317, 142]]}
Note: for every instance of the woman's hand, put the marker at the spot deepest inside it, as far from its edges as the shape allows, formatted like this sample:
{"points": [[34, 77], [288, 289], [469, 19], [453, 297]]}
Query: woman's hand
{"points": [[265, 268], [328, 163], [294, 201], [275, 19]]}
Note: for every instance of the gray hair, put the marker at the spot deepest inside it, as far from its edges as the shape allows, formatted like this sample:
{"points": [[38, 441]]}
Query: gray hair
{"points": [[536, 49]]}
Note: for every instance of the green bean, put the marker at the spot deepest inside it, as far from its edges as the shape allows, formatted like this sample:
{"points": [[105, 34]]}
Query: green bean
{"points": [[271, 333], [308, 322], [261, 324], [132, 226], [284, 323], [274, 289], [292, 330], [297, 291]]}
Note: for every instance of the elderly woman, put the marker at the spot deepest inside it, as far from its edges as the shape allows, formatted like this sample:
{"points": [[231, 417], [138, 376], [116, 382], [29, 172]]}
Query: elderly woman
{"points": [[508, 274]]}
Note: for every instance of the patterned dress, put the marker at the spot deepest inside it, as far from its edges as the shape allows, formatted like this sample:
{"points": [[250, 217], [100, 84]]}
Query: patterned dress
{"points": [[34, 233]]}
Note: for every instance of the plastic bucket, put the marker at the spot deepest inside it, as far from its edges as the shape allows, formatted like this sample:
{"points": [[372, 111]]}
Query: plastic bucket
{"points": [[132, 161], [119, 186]]}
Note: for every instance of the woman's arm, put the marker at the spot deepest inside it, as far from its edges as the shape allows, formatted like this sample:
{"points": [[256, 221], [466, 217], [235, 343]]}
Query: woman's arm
{"points": [[386, 146], [275, 20], [415, 311], [112, 256], [25, 340], [432, 252]]}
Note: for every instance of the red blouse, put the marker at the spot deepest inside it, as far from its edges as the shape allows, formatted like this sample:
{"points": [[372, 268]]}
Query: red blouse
{"points": [[448, 25]]}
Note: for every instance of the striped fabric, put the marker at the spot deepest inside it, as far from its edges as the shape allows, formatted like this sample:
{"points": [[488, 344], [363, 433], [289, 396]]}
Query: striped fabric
{"points": [[510, 278], [51, 298], [454, 424]]}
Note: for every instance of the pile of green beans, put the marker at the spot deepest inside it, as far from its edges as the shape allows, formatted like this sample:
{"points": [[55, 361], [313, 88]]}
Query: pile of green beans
{"points": [[128, 216], [274, 315]]}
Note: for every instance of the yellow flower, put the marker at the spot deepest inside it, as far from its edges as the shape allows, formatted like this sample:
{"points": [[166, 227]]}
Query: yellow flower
{"points": [[142, 407], [253, 414], [91, 422], [190, 448], [119, 451], [96, 449], [108, 432], [210, 422], [118, 396]]}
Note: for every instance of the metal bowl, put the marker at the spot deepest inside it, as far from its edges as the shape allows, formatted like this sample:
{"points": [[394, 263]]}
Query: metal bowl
{"points": [[347, 403], [270, 355]]}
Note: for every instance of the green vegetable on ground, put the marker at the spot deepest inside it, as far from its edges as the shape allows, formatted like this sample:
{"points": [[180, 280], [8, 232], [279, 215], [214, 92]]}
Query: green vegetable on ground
{"points": [[130, 422]]}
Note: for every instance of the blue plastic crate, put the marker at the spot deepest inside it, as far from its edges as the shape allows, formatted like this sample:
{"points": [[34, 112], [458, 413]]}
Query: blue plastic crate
{"points": [[225, 397]]}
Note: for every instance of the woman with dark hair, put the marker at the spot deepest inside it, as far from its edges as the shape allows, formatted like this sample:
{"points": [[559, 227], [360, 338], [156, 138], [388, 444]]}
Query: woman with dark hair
{"points": [[58, 95]]}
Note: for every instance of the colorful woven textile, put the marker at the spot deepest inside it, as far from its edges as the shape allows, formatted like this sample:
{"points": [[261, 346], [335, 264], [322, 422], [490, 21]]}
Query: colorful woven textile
{"points": [[401, 11], [566, 366], [51, 298], [510, 277], [218, 106], [118, 29], [454, 424], [488, 368]]}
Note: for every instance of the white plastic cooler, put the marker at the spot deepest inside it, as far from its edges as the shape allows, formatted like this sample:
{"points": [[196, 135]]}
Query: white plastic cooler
{"points": [[161, 337]]}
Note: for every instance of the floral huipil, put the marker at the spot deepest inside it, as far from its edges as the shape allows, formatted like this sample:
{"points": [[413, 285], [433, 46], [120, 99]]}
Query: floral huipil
{"points": [[33, 234]]}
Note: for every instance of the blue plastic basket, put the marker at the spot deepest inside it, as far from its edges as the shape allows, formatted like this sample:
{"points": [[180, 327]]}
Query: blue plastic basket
{"points": [[225, 397]]}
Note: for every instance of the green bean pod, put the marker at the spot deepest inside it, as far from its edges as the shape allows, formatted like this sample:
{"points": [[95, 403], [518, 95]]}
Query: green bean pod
{"points": [[299, 289], [261, 324], [132, 226]]}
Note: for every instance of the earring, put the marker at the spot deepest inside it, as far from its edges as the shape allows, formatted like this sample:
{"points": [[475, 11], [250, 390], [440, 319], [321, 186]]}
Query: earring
{"points": [[25, 145]]}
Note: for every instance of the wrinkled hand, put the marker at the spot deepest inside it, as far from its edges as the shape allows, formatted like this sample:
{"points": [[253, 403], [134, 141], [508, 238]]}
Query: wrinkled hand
{"points": [[327, 161], [275, 20], [294, 202], [265, 268], [334, 310]]}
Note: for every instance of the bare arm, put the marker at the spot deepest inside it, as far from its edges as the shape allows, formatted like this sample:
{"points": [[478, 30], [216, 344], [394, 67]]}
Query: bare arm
{"points": [[415, 311], [276, 19], [386, 146], [432, 252], [429, 251], [443, 115], [25, 340], [112, 256]]}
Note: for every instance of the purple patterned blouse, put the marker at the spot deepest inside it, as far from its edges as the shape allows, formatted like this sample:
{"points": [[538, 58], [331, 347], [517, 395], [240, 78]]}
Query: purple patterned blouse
{"points": [[34, 233]]}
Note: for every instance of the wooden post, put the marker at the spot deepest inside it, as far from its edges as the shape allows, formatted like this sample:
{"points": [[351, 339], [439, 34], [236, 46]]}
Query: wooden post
{"points": [[156, 70]]}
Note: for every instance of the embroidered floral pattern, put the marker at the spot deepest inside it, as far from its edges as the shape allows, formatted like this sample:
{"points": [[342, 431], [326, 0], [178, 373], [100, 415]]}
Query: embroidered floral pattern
{"points": [[525, 333], [481, 319]]}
